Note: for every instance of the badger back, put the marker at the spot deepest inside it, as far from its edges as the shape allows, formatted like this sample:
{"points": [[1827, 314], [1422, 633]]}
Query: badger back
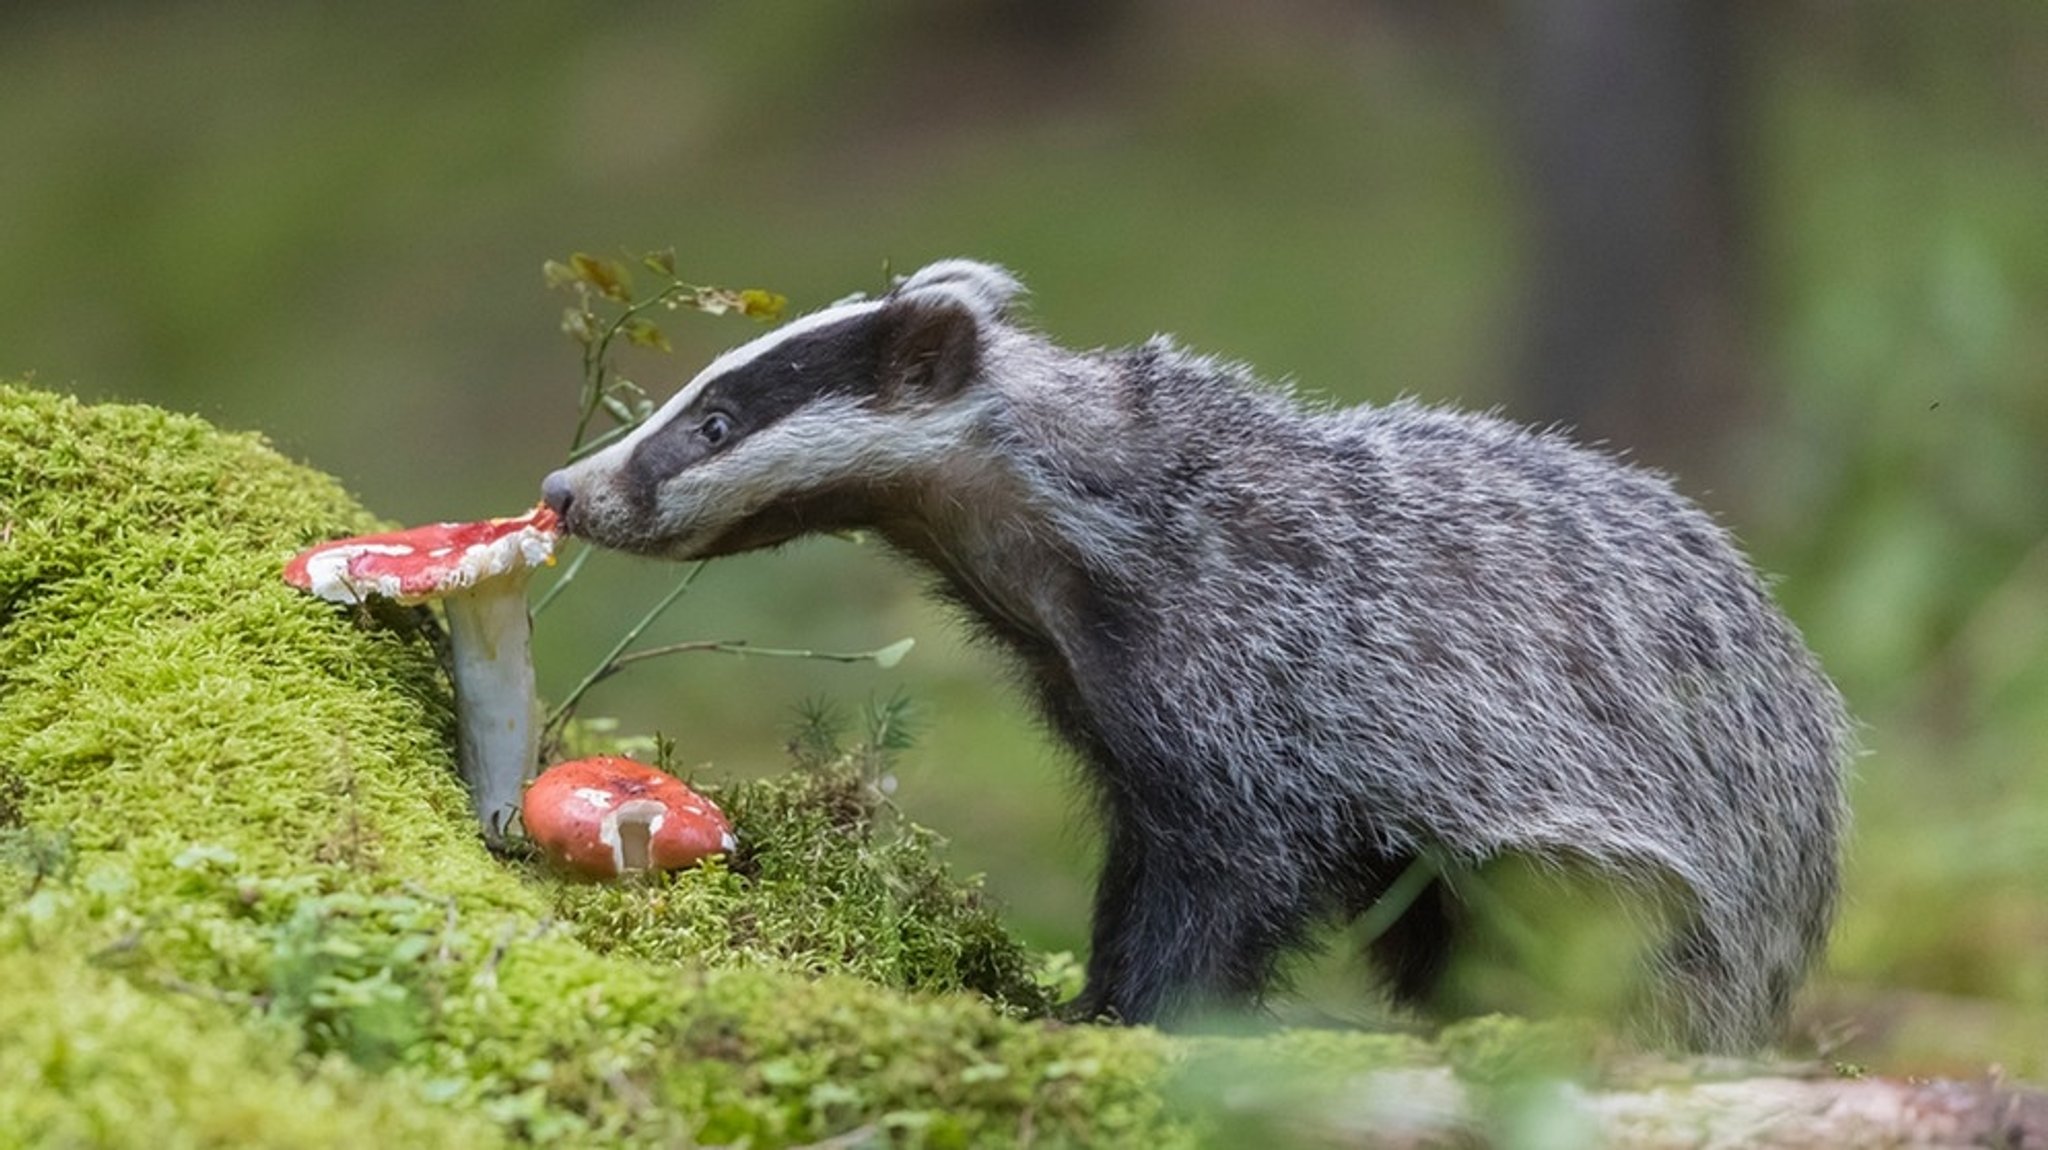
{"points": [[794, 431]]}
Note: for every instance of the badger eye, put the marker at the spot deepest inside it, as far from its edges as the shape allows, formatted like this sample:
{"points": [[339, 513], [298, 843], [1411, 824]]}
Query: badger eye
{"points": [[715, 428]]}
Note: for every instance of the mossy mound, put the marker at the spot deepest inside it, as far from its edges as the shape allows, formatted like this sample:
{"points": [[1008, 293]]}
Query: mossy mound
{"points": [[242, 899], [823, 883]]}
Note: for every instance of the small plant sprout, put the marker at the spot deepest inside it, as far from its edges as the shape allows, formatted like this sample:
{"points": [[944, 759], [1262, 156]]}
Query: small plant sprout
{"points": [[606, 816], [606, 308], [478, 572]]}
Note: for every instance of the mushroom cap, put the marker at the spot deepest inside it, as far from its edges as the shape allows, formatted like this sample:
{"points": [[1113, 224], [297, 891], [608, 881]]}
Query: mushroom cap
{"points": [[423, 563], [605, 816]]}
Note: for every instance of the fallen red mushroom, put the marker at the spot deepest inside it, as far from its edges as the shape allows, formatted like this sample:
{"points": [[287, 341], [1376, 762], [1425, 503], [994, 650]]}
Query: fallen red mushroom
{"points": [[608, 816], [479, 572]]}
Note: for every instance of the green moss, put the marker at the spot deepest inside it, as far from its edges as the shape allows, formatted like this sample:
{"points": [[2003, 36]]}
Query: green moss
{"points": [[824, 882], [90, 1058], [242, 898], [158, 680], [237, 810], [1496, 1049]]}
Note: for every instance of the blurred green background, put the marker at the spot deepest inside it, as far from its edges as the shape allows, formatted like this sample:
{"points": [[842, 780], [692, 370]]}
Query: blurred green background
{"points": [[1797, 253]]}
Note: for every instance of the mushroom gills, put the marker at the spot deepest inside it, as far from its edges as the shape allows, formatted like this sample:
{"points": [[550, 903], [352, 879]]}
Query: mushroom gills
{"points": [[629, 830]]}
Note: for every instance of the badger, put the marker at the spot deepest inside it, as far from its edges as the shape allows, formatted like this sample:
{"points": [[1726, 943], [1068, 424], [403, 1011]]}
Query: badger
{"points": [[1298, 651]]}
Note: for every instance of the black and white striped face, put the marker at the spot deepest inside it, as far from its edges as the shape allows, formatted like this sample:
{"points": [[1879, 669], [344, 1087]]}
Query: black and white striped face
{"points": [[796, 431]]}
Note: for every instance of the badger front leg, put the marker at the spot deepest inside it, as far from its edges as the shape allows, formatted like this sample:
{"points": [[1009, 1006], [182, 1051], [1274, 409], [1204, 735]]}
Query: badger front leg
{"points": [[1176, 935], [1106, 994]]}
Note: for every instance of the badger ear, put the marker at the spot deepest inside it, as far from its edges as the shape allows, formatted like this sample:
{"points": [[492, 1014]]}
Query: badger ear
{"points": [[987, 288], [931, 345]]}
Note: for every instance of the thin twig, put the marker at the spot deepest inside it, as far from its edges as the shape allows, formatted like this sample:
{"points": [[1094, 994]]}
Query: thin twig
{"points": [[618, 659], [568, 703], [1399, 896], [742, 647], [563, 580], [596, 361], [1502, 914], [600, 442], [620, 662]]}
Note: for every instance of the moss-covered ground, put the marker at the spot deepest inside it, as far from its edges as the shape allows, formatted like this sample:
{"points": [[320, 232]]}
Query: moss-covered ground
{"points": [[242, 900]]}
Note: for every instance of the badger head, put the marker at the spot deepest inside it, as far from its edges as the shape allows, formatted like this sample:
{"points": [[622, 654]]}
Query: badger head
{"points": [[808, 428]]}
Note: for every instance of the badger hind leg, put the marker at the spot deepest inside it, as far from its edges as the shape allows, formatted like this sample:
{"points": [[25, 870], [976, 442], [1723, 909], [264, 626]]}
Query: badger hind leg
{"points": [[1550, 936], [1711, 993]]}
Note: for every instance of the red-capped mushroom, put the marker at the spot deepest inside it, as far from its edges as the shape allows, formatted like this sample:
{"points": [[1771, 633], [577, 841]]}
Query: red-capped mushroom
{"points": [[606, 816], [478, 572]]}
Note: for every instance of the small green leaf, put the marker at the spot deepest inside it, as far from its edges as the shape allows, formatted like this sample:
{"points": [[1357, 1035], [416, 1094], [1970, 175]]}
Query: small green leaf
{"points": [[643, 332], [609, 277], [762, 305], [663, 261], [618, 409], [893, 654]]}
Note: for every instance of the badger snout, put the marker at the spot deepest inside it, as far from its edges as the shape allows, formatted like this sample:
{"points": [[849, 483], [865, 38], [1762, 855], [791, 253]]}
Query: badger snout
{"points": [[556, 492], [593, 505]]}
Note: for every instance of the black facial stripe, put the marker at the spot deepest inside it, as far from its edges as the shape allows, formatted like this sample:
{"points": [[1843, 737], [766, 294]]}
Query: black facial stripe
{"points": [[843, 359], [839, 359]]}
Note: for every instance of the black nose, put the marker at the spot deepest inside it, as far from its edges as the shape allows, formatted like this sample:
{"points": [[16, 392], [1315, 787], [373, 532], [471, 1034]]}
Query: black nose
{"points": [[555, 491]]}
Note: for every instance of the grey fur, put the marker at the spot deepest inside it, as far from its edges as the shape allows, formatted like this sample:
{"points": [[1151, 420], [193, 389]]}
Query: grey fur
{"points": [[1297, 649]]}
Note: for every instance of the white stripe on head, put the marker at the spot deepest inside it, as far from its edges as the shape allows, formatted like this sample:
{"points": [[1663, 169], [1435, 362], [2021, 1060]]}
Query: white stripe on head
{"points": [[987, 289], [739, 357]]}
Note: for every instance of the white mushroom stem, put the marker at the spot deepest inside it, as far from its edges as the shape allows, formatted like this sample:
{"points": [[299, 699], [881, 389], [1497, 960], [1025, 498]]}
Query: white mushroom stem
{"points": [[479, 572], [491, 635], [630, 832]]}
